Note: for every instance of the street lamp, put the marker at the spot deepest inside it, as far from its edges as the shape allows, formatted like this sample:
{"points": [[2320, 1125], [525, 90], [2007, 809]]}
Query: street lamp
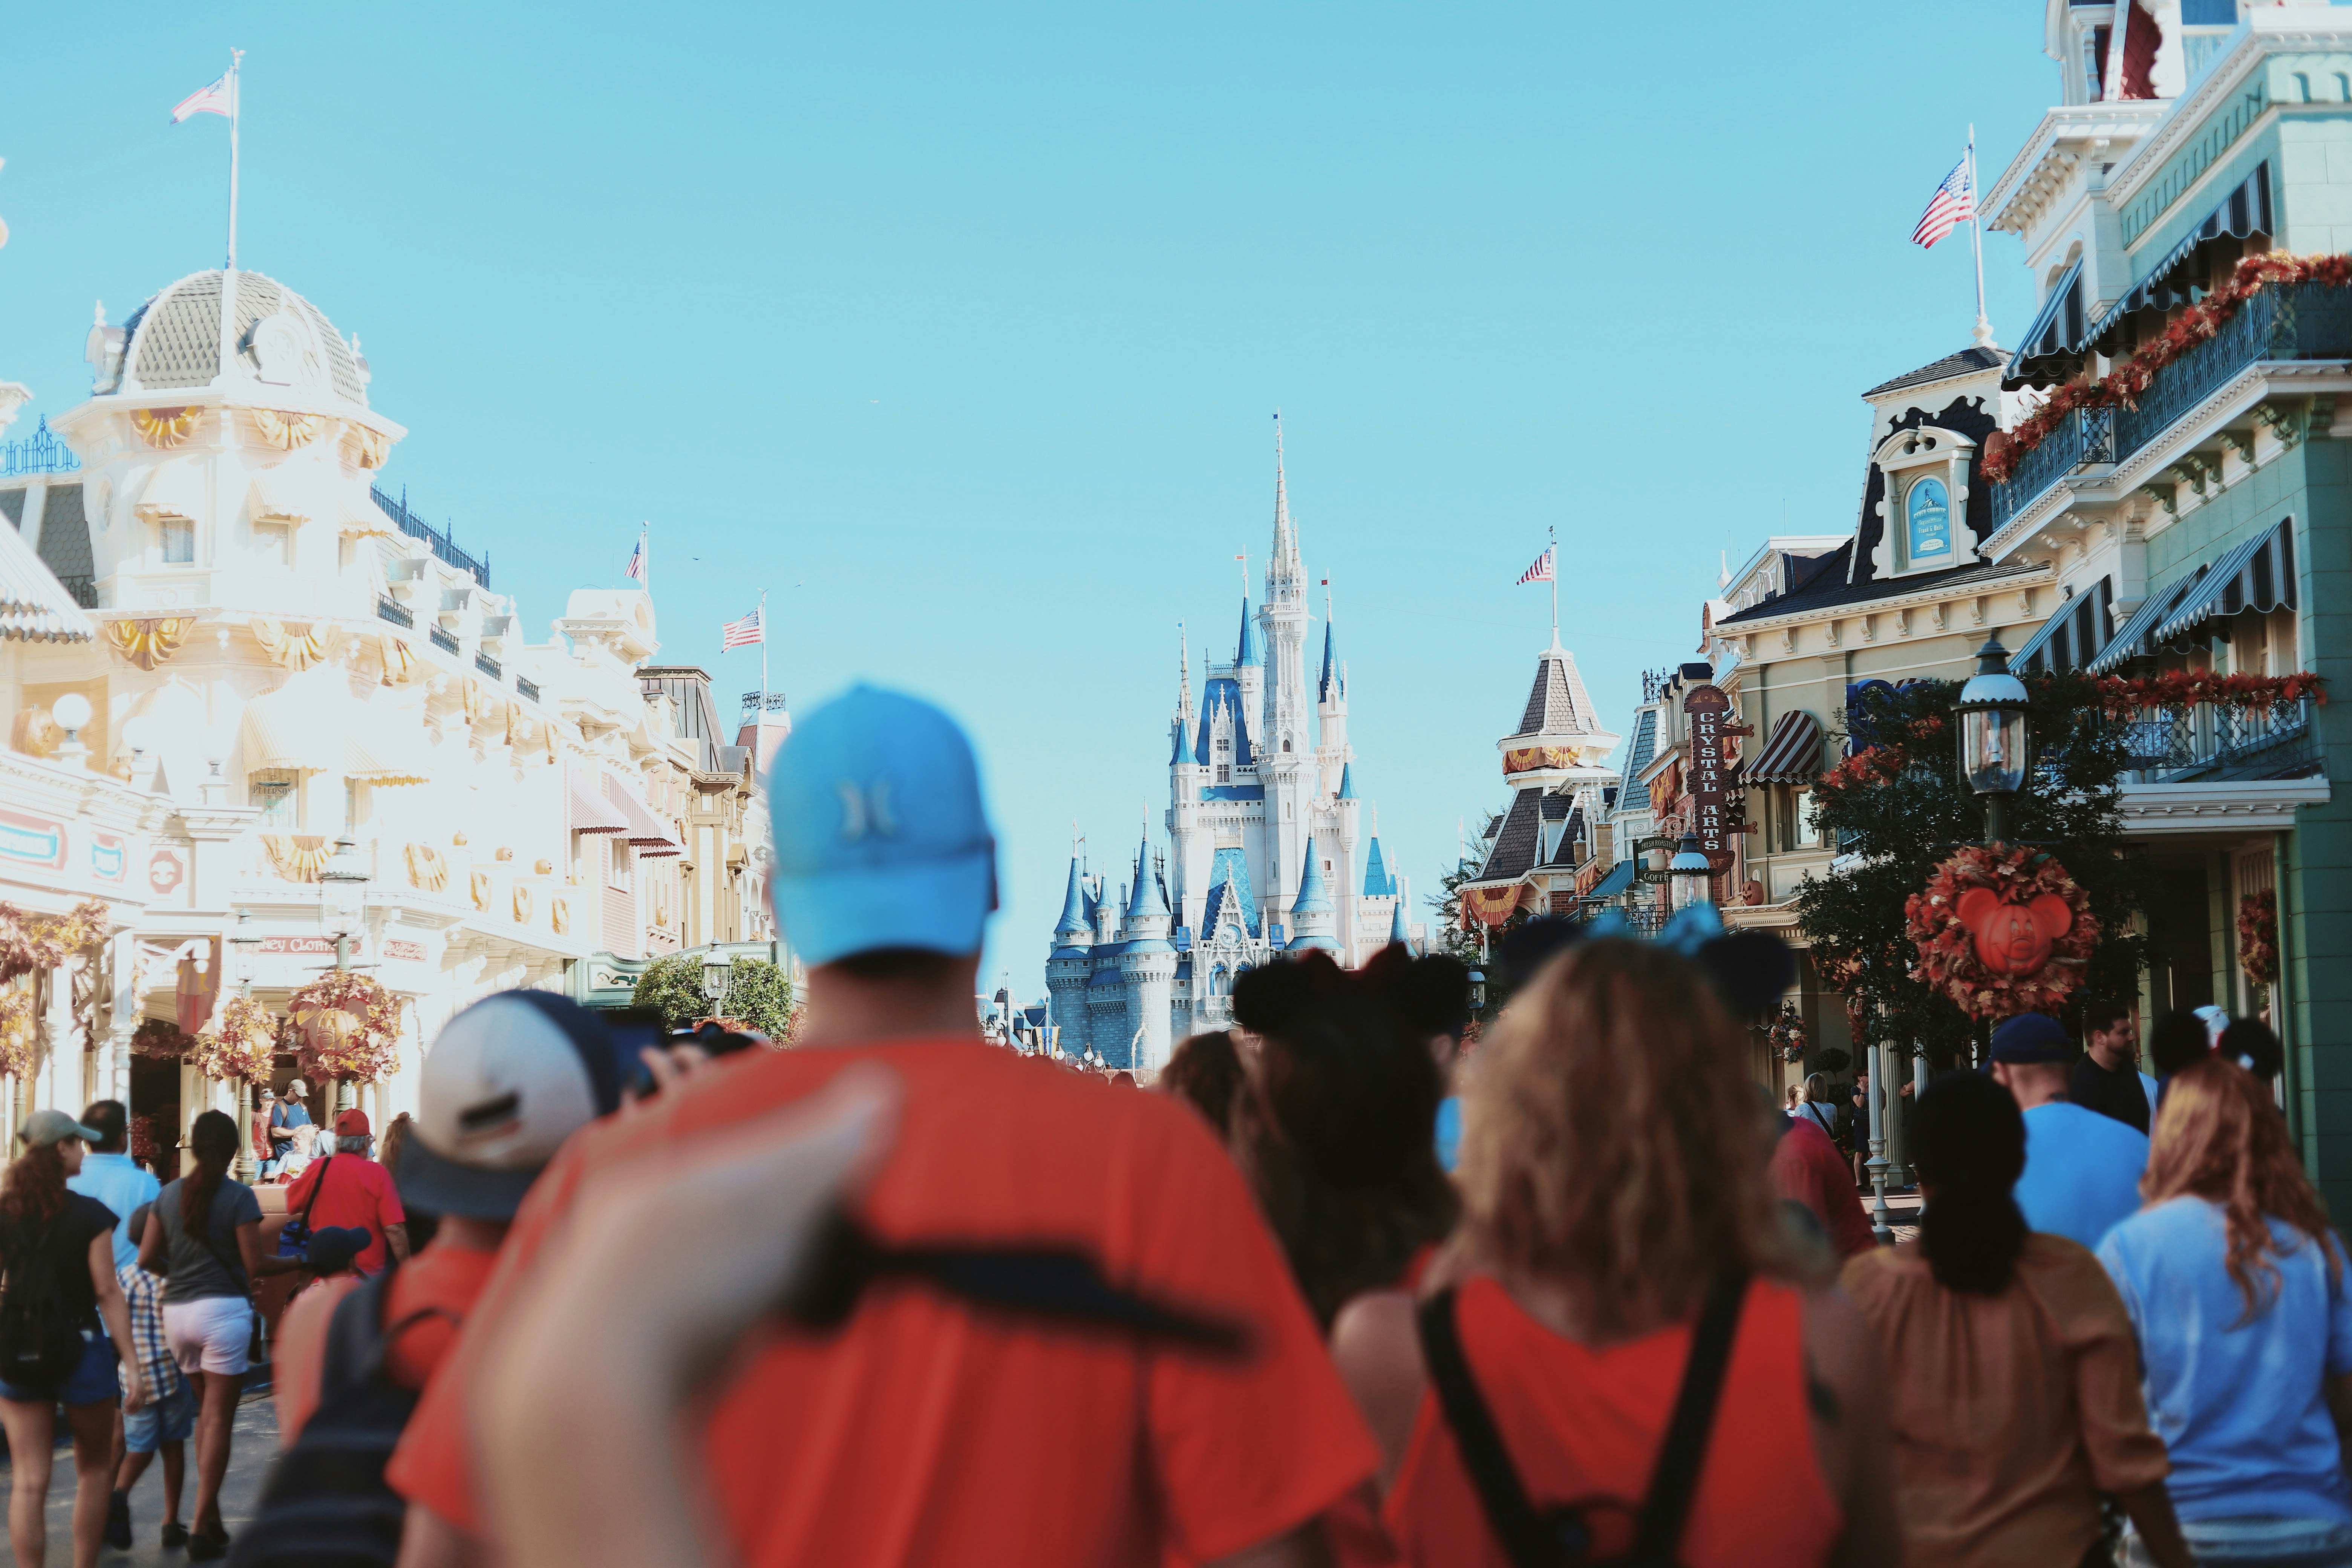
{"points": [[342, 898], [1993, 738], [716, 970], [1690, 870], [72, 713], [245, 944], [1478, 992]]}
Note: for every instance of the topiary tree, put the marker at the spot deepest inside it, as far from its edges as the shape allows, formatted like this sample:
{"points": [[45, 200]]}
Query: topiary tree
{"points": [[1899, 808], [759, 994]]}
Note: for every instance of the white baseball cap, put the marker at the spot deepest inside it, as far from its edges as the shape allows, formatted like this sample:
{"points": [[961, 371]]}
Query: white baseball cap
{"points": [[508, 1080]]}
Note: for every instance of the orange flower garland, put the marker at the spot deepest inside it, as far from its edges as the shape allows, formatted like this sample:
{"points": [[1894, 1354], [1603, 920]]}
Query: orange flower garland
{"points": [[243, 1048], [159, 1037], [1948, 959], [347, 1027]]}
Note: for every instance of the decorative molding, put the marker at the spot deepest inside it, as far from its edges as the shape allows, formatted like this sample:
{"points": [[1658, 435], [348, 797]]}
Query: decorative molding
{"points": [[480, 888], [427, 870], [297, 857], [165, 428], [150, 642], [297, 651], [286, 431], [374, 447], [2256, 805]]}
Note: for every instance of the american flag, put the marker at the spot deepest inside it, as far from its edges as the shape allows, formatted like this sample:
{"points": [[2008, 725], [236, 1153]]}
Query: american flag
{"points": [[636, 566], [1954, 203], [743, 632], [212, 100], [1541, 571]]}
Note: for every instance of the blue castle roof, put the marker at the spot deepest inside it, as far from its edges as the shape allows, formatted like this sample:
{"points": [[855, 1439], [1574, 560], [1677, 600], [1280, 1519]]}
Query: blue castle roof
{"points": [[1074, 908], [1149, 899], [1246, 652], [1229, 893], [1397, 931], [1378, 883], [1224, 691], [1313, 897], [1330, 677], [1347, 781]]}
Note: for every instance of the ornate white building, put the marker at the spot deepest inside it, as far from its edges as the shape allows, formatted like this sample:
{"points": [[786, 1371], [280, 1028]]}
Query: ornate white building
{"points": [[1270, 849]]}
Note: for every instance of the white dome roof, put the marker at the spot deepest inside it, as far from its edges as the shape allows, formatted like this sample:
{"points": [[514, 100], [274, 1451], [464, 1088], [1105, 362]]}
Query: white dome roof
{"points": [[173, 340]]}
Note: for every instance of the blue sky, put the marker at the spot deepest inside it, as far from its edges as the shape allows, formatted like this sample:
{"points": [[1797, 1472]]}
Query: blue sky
{"points": [[958, 328]]}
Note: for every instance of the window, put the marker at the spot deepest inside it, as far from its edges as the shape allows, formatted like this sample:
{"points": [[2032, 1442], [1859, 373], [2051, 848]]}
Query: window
{"points": [[179, 537], [1809, 825], [1929, 514], [277, 792], [352, 788], [619, 874]]}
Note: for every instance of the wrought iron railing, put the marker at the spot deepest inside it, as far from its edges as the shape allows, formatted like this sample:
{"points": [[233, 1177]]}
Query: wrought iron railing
{"points": [[488, 665], [395, 612], [2288, 322], [2209, 743], [416, 527], [83, 589], [442, 639], [40, 453], [528, 686]]}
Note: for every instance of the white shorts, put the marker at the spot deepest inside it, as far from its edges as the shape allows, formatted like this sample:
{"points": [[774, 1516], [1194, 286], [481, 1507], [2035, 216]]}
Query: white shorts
{"points": [[211, 1333]]}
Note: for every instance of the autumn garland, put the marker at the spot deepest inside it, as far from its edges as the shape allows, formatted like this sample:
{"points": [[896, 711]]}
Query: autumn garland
{"points": [[244, 1048], [2188, 687], [2258, 937], [349, 1027], [1948, 960], [2124, 385], [160, 1038], [31, 941]]}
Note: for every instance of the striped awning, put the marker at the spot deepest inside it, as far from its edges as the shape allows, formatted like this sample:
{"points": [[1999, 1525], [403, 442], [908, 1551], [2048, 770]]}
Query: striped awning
{"points": [[2246, 210], [312, 724], [644, 830], [361, 518], [175, 489], [2052, 348], [2257, 575], [387, 755], [1791, 754], [288, 494], [590, 814], [2070, 638], [2131, 640], [292, 728], [34, 605], [1619, 878]]}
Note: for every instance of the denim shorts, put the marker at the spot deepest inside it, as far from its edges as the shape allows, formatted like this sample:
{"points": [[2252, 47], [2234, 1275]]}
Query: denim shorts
{"points": [[171, 1420], [91, 1383]]}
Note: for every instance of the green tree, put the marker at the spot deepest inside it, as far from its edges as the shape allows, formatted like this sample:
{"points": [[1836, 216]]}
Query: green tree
{"points": [[758, 992], [1898, 808]]}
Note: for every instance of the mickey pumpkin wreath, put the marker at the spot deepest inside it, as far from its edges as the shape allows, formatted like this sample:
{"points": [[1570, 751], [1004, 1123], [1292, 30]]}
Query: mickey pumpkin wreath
{"points": [[2001, 931]]}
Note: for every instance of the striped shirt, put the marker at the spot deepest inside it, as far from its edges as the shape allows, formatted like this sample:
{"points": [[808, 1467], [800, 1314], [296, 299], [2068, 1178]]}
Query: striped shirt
{"points": [[144, 1292]]}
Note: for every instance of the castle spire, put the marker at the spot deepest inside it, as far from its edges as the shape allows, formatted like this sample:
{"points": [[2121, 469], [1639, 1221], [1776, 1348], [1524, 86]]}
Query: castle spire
{"points": [[1246, 653], [1072, 930], [1285, 574], [1329, 685]]}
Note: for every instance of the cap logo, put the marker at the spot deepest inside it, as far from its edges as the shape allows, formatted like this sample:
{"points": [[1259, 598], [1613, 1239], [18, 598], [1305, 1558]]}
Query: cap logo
{"points": [[866, 811]]}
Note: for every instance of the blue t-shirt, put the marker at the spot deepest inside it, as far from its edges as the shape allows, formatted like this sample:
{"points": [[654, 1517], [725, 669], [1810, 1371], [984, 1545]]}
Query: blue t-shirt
{"points": [[2082, 1172], [118, 1182], [1449, 1129], [2242, 1409]]}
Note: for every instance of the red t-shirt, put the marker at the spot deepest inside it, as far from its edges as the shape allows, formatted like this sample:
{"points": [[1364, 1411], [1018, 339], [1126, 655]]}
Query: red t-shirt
{"points": [[443, 1275], [358, 1191], [1807, 1166], [924, 1432], [1583, 1424]]}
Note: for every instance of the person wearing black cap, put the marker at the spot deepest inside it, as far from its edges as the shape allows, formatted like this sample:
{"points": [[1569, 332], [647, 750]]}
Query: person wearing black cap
{"points": [[2082, 1168], [507, 1081]]}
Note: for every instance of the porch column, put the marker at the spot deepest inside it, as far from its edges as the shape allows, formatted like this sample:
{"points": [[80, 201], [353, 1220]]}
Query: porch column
{"points": [[58, 1035], [122, 970]]}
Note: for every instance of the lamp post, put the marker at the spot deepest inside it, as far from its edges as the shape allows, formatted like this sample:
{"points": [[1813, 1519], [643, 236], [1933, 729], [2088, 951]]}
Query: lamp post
{"points": [[342, 898], [1478, 992], [243, 946], [1691, 871], [1993, 736], [718, 971]]}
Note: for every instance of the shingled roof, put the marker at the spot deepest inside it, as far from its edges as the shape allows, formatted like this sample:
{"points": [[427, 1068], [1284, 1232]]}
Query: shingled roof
{"points": [[1833, 593], [1968, 362]]}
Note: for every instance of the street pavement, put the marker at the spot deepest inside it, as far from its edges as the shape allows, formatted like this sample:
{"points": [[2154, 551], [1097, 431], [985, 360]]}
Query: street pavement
{"points": [[248, 1463]]}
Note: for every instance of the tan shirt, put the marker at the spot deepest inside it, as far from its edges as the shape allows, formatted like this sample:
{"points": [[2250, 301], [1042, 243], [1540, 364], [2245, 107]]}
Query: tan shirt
{"points": [[2010, 1413]]}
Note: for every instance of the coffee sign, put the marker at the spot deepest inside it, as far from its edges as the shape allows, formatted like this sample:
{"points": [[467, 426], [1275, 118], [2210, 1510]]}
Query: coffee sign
{"points": [[1707, 711]]}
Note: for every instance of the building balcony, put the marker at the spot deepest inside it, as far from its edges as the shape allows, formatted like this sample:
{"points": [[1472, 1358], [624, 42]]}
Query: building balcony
{"points": [[2287, 322], [2209, 743]]}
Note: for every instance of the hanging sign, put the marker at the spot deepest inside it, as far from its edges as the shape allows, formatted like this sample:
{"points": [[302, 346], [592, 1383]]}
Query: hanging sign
{"points": [[1708, 712], [35, 840]]}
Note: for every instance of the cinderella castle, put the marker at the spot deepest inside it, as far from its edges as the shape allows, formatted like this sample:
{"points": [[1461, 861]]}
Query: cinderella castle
{"points": [[1270, 849]]}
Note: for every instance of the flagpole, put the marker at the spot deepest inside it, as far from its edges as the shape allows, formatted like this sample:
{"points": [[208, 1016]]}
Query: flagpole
{"points": [[763, 656], [1976, 234], [1554, 532], [236, 97]]}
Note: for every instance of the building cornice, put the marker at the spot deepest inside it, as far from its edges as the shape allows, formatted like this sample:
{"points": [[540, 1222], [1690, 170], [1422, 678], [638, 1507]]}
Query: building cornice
{"points": [[2265, 36], [2051, 155], [2033, 578], [2256, 805]]}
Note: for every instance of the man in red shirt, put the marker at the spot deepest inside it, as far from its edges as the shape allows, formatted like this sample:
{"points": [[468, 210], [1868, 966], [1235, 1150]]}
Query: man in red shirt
{"points": [[924, 1429], [1807, 1169], [349, 1188], [506, 1082]]}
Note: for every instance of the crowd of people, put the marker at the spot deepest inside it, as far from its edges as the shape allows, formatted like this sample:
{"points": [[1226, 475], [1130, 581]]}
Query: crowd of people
{"points": [[1327, 1291]]}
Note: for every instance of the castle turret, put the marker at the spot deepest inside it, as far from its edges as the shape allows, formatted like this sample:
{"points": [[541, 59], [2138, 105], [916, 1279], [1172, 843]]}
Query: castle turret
{"points": [[1148, 962], [1310, 913], [1396, 928], [1069, 965]]}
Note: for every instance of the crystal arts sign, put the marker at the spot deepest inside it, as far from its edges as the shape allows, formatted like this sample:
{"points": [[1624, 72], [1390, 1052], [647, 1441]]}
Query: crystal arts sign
{"points": [[1707, 711]]}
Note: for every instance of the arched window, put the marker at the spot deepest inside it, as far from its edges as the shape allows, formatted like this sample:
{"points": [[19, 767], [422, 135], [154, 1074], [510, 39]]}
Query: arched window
{"points": [[1221, 984]]}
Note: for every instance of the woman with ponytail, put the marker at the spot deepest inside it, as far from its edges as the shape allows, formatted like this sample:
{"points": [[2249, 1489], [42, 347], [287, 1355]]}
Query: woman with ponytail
{"points": [[2014, 1380], [204, 1235], [2236, 1283]]}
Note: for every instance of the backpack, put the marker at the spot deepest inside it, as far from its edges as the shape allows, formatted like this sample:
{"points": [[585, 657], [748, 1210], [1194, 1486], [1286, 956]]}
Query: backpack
{"points": [[40, 1339], [326, 1504]]}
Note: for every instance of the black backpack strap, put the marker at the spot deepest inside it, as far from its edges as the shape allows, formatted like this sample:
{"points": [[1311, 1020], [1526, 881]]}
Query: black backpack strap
{"points": [[1517, 1528], [1658, 1534], [316, 1186], [358, 1339]]}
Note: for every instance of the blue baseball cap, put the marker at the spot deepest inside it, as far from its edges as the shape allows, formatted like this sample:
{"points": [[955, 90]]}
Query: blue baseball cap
{"points": [[881, 841], [2032, 1037]]}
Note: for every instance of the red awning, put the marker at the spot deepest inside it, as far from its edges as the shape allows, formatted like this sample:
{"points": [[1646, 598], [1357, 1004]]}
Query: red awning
{"points": [[590, 814], [643, 828]]}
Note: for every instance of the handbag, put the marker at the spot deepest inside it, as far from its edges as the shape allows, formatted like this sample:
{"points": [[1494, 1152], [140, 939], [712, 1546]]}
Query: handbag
{"points": [[1560, 1537], [294, 1237]]}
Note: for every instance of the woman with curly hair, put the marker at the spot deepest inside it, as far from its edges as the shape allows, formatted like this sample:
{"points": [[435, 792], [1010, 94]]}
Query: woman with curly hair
{"points": [[66, 1324], [1622, 1271], [2236, 1283]]}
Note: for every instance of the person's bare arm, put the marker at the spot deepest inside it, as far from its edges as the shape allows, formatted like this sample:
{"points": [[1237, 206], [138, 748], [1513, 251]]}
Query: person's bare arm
{"points": [[396, 1236], [585, 1461], [115, 1313], [248, 1249], [1376, 1345], [1844, 1378], [155, 1252], [2150, 1509]]}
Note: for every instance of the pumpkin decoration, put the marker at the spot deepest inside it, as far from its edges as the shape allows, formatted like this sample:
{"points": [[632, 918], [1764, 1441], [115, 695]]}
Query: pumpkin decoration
{"points": [[346, 1026], [2002, 929]]}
